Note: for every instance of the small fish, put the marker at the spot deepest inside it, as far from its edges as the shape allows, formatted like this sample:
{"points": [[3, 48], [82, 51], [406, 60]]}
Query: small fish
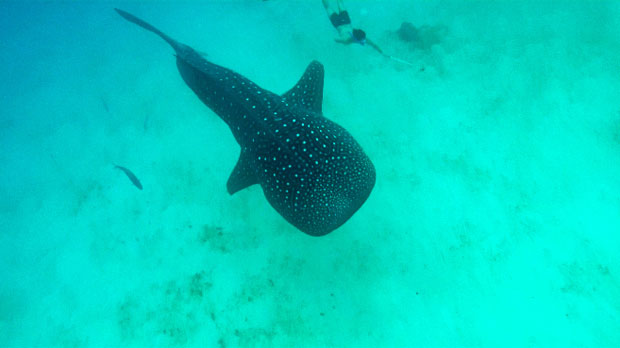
{"points": [[131, 176], [105, 105], [146, 122]]}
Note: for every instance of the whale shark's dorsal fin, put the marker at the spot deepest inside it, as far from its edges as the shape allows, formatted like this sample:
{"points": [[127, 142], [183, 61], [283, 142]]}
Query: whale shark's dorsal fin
{"points": [[242, 176], [308, 92]]}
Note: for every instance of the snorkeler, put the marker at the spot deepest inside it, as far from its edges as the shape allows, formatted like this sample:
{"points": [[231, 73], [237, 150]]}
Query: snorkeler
{"points": [[341, 21]]}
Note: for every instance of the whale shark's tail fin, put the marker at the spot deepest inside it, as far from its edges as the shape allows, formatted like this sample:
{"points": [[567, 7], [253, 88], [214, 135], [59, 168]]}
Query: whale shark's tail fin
{"points": [[128, 16]]}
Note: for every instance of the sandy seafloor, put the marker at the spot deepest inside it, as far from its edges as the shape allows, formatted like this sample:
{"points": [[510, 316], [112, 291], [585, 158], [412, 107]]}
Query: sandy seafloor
{"points": [[494, 222]]}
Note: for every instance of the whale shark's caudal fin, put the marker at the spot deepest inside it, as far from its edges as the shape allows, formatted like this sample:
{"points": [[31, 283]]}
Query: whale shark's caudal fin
{"points": [[128, 16]]}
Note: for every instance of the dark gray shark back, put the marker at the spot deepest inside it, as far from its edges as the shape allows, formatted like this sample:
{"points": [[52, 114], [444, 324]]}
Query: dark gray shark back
{"points": [[311, 169]]}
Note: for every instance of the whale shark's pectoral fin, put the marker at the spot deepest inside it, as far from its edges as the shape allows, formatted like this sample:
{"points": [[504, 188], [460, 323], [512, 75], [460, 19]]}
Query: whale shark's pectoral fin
{"points": [[308, 92], [242, 176]]}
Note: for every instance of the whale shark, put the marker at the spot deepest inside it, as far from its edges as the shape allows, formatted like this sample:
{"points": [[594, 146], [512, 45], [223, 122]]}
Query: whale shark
{"points": [[311, 170]]}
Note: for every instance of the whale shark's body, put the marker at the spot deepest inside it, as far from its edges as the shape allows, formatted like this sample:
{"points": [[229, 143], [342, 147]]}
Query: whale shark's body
{"points": [[311, 170]]}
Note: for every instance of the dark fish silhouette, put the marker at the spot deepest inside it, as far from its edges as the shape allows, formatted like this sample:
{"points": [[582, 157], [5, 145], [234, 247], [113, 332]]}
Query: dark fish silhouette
{"points": [[131, 176], [311, 170], [105, 105]]}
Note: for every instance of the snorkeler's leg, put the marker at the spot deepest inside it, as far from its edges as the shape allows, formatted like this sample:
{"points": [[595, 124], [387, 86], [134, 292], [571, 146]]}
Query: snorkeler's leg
{"points": [[340, 5], [329, 8]]}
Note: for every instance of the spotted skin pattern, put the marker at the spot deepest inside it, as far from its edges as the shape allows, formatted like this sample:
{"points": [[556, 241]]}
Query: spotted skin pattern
{"points": [[311, 169]]}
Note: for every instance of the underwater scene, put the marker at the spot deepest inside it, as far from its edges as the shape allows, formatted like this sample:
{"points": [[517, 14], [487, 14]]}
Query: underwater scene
{"points": [[316, 173]]}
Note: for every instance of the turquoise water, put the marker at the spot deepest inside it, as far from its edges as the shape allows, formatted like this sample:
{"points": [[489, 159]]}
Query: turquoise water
{"points": [[494, 221]]}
